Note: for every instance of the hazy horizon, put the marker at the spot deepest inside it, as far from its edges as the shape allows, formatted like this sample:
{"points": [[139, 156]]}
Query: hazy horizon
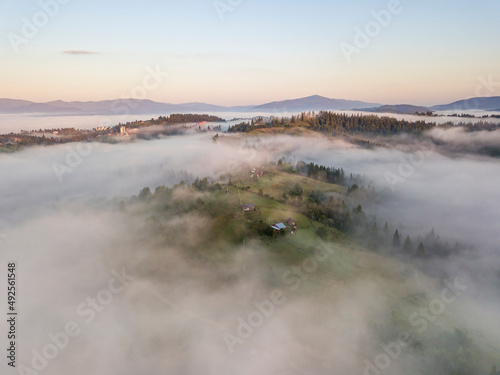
{"points": [[29, 122], [242, 104], [218, 52]]}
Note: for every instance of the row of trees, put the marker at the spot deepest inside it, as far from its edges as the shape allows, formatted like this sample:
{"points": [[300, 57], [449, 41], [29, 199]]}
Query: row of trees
{"points": [[337, 123], [322, 173], [330, 122], [335, 213], [318, 172], [173, 119], [27, 139]]}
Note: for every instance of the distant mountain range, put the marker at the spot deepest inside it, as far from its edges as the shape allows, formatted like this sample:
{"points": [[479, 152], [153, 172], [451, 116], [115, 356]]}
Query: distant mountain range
{"points": [[403, 109], [136, 106], [310, 103], [485, 104], [491, 103], [105, 107]]}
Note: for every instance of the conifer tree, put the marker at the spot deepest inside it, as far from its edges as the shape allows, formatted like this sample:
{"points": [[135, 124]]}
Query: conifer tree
{"points": [[420, 250], [395, 240], [407, 248], [386, 229]]}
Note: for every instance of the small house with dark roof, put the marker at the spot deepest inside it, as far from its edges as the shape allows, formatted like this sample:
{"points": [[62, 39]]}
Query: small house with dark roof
{"points": [[249, 207]]}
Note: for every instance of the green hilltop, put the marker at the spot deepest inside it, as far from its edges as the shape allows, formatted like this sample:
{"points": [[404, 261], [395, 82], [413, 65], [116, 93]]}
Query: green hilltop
{"points": [[207, 220]]}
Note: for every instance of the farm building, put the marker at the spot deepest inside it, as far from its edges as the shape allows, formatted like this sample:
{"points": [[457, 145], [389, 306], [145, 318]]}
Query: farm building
{"points": [[249, 207], [278, 226], [257, 172]]}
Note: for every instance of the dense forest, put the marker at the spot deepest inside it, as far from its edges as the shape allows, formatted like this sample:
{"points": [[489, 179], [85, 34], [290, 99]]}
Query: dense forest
{"points": [[173, 119], [337, 123], [347, 214], [331, 123]]}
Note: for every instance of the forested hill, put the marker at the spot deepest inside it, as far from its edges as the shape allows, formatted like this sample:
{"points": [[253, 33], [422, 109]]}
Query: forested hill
{"points": [[173, 119], [336, 123], [13, 141]]}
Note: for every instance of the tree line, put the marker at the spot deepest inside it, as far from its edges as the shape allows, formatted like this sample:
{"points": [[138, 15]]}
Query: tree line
{"points": [[173, 119], [332, 123]]}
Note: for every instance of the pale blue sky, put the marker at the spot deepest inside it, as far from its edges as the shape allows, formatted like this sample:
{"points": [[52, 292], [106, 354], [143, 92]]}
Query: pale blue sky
{"points": [[431, 52]]}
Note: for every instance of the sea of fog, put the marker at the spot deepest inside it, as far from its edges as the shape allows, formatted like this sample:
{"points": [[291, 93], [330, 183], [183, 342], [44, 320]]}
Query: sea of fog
{"points": [[70, 245], [429, 189], [17, 122]]}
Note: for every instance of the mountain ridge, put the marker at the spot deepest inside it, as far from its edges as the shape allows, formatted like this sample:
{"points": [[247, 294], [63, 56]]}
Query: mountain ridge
{"points": [[401, 109], [486, 103], [309, 103], [144, 106]]}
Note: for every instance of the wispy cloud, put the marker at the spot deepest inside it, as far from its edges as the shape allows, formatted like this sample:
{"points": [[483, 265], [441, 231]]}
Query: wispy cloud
{"points": [[208, 55], [80, 52]]}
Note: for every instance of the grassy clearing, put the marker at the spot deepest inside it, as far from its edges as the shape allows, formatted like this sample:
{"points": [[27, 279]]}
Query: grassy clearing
{"points": [[8, 149], [275, 183], [299, 131]]}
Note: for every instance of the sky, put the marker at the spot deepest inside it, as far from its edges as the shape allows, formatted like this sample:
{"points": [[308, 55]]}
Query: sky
{"points": [[248, 52]]}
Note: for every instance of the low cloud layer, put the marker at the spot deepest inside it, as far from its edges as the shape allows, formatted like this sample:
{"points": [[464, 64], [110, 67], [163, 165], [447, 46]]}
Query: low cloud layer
{"points": [[169, 310], [461, 137], [80, 52]]}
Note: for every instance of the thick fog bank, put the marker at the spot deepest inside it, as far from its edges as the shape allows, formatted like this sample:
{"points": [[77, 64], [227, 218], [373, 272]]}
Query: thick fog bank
{"points": [[98, 294]]}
